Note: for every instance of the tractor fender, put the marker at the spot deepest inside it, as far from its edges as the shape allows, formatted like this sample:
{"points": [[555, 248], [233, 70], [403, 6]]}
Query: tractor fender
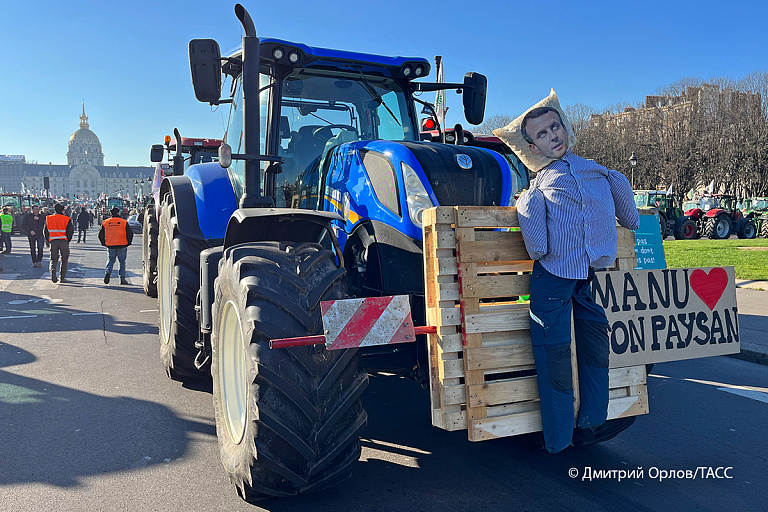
{"points": [[204, 199], [714, 213], [282, 224]]}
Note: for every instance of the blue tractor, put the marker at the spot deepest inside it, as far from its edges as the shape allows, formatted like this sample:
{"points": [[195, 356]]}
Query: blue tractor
{"points": [[318, 194]]}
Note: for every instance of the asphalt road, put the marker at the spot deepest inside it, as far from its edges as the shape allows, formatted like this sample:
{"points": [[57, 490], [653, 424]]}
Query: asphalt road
{"points": [[90, 422]]}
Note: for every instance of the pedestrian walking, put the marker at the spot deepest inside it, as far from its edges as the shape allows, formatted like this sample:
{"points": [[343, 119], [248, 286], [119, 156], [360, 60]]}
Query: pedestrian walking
{"points": [[90, 217], [116, 236], [82, 224], [6, 228], [59, 231], [568, 222], [34, 225]]}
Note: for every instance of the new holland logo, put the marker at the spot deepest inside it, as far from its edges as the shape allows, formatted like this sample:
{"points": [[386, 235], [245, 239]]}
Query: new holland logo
{"points": [[464, 161]]}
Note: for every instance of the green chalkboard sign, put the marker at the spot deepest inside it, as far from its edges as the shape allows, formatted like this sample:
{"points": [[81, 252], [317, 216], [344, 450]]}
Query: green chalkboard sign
{"points": [[648, 245]]}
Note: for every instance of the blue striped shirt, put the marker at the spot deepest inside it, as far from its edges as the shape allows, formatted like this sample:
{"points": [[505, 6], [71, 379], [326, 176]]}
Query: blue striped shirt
{"points": [[568, 215]]}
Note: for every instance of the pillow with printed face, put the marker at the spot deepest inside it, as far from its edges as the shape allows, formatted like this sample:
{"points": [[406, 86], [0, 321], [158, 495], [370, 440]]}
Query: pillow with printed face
{"points": [[512, 135]]}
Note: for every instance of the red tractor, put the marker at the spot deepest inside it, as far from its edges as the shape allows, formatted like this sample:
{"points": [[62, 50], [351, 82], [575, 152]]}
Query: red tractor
{"points": [[717, 217]]}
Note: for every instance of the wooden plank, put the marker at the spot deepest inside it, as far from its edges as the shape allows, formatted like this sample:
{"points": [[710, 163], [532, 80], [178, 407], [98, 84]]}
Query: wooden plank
{"points": [[631, 375], [504, 426], [448, 291], [497, 392], [486, 217], [496, 286], [454, 395], [495, 339], [449, 316], [496, 321], [629, 406], [447, 266], [449, 342], [492, 251], [452, 369], [503, 357], [453, 421], [510, 266], [513, 408]]}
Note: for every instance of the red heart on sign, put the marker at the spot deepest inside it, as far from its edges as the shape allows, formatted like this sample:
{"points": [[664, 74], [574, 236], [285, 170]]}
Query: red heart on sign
{"points": [[709, 287]]}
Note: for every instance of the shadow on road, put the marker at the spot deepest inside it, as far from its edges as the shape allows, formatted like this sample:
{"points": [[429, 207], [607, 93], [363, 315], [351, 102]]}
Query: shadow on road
{"points": [[56, 315], [56, 435]]}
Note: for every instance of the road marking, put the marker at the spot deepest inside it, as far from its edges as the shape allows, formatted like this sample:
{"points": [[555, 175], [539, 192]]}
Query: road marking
{"points": [[748, 393], [6, 280], [19, 316], [148, 311]]}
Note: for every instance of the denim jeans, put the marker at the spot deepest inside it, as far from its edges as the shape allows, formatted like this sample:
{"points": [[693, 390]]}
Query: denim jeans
{"points": [[5, 241], [553, 299], [119, 254], [36, 247]]}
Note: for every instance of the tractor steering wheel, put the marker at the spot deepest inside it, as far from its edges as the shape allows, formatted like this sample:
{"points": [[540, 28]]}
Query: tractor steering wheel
{"points": [[340, 126]]}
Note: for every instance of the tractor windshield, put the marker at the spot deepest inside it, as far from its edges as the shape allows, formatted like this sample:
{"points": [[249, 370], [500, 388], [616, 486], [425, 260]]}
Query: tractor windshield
{"points": [[708, 203], [760, 204], [641, 199], [321, 111]]}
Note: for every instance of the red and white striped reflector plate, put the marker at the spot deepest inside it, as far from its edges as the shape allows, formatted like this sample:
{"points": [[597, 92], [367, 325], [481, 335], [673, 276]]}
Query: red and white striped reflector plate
{"points": [[351, 323]]}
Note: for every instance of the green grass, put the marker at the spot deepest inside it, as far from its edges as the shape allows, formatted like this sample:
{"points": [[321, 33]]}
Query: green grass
{"points": [[749, 264]]}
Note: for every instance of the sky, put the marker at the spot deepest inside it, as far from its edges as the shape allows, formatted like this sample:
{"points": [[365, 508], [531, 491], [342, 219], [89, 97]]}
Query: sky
{"points": [[128, 60]]}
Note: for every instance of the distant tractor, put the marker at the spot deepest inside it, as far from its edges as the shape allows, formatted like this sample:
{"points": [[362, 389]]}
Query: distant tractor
{"points": [[717, 217], [756, 209], [672, 220], [193, 151]]}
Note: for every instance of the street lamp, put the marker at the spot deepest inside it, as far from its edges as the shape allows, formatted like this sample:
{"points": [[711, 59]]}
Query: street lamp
{"points": [[633, 163]]}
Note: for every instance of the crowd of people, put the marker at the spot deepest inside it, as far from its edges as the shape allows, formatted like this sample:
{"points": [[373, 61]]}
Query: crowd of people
{"points": [[55, 228]]}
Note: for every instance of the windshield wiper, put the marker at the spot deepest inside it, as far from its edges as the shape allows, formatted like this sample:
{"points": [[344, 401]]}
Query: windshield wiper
{"points": [[376, 96]]}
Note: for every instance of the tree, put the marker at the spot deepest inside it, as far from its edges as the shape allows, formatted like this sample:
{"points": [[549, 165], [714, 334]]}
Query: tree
{"points": [[578, 114], [492, 123]]}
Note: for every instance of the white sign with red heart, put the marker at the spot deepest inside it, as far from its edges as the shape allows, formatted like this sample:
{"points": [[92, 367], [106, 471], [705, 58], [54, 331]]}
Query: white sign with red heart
{"points": [[669, 314]]}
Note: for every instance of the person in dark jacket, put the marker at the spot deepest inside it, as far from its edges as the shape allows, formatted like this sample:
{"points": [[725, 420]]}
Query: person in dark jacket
{"points": [[34, 225], [82, 224], [116, 235]]}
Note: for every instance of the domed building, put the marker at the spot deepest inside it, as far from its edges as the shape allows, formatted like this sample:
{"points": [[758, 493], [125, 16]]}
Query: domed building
{"points": [[85, 177]]}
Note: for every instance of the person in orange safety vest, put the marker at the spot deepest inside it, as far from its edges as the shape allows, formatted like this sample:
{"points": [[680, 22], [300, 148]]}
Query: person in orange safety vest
{"points": [[116, 236], [59, 231]]}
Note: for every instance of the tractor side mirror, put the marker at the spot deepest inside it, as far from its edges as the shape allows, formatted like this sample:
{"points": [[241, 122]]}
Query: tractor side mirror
{"points": [[475, 87], [156, 153], [205, 64]]}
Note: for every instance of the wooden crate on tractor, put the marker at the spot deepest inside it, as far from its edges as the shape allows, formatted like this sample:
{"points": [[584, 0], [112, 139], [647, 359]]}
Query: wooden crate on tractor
{"points": [[482, 372]]}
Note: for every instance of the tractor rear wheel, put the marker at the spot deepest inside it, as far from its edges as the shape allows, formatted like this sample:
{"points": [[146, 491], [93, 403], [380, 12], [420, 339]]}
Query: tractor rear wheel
{"points": [[685, 228], [288, 420], [718, 227], [178, 280], [747, 230], [149, 252]]}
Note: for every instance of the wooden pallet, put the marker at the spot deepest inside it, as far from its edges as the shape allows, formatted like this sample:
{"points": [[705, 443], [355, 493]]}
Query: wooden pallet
{"points": [[482, 372]]}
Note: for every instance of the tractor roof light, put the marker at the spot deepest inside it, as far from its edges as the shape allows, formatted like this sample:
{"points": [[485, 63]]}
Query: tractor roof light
{"points": [[278, 53], [407, 70], [419, 71], [294, 57]]}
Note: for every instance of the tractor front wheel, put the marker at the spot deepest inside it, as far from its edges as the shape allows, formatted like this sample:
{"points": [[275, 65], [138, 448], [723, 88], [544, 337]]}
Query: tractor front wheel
{"points": [[288, 420], [149, 238]]}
